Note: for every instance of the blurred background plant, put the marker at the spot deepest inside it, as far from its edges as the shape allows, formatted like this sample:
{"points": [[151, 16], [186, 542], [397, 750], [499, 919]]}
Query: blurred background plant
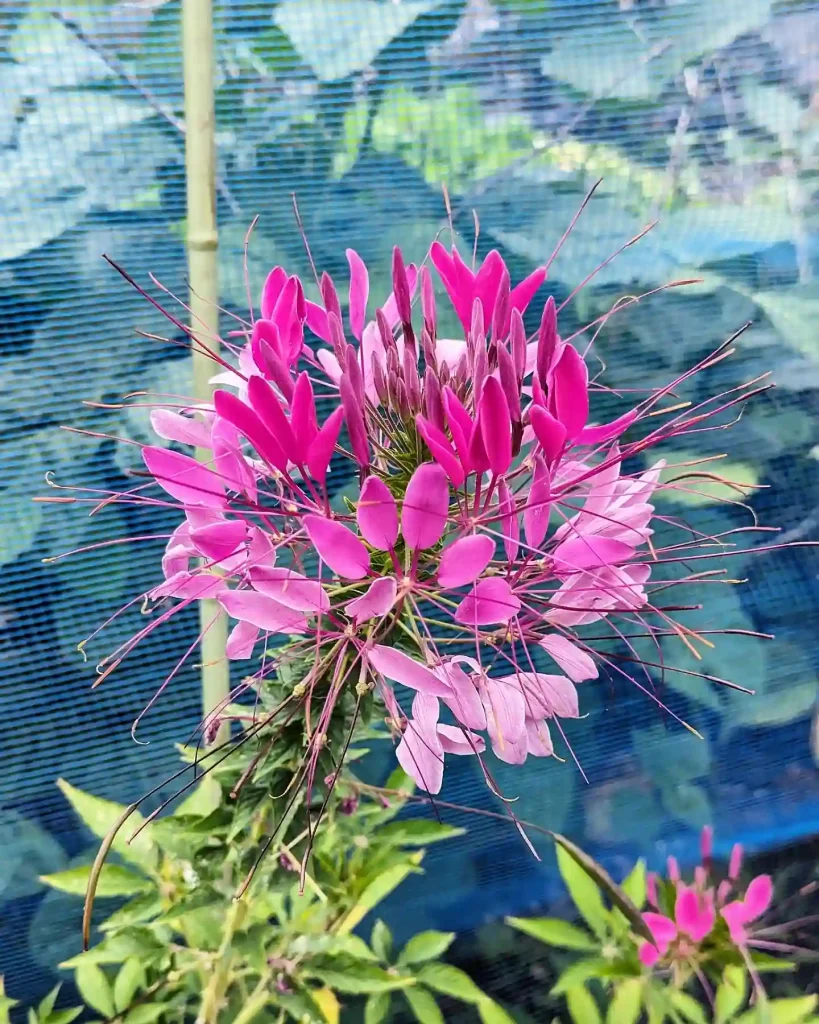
{"points": [[700, 114]]}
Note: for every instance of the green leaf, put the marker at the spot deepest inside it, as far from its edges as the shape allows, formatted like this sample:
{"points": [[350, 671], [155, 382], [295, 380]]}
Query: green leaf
{"points": [[425, 946], [377, 1008], [100, 815], [692, 486], [582, 1007], [204, 800], [767, 964], [147, 1013], [578, 973], [95, 988], [129, 980], [336, 47], [374, 893], [626, 1002], [417, 832], [781, 1011], [114, 880], [47, 1004], [65, 1016], [423, 1006], [583, 890], [554, 932], [731, 993], [451, 981], [688, 1006], [634, 884], [491, 1013], [360, 979], [381, 940]]}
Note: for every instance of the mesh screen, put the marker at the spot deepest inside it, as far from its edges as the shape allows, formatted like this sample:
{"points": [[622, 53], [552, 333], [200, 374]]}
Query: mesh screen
{"points": [[699, 113]]}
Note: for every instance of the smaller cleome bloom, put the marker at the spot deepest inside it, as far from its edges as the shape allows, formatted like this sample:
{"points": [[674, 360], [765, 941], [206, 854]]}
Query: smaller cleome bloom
{"points": [[753, 904]]}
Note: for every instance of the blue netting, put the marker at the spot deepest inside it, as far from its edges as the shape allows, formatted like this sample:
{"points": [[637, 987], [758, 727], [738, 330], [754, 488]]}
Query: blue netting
{"points": [[701, 113]]}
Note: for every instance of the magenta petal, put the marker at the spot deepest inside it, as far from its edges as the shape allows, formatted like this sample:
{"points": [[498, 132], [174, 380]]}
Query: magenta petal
{"points": [[219, 540], [267, 407], [464, 561], [693, 914], [464, 702], [460, 741], [607, 431], [571, 383], [575, 663], [496, 426], [400, 668], [359, 292], [175, 427], [736, 917], [536, 512], [662, 928], [490, 602], [232, 409], [375, 602], [421, 755], [546, 342], [377, 514], [523, 293], [438, 444], [510, 521], [505, 719], [241, 641], [272, 290], [551, 433], [338, 547], [460, 425], [291, 589], [184, 478], [321, 450], [590, 552], [758, 896], [426, 506], [262, 611], [303, 415], [487, 283], [317, 321]]}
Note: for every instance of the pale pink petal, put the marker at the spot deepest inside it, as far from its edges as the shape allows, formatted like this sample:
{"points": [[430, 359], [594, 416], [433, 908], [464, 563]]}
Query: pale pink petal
{"points": [[571, 396], [322, 448], [400, 668], [189, 586], [338, 547], [496, 426], [538, 740], [464, 561], [550, 433], [291, 589], [175, 427], [536, 511], [241, 641], [510, 521], [607, 431], [176, 559], [441, 450], [464, 701], [184, 478], [426, 506], [460, 741], [421, 755], [449, 352], [316, 320], [491, 601], [359, 291], [228, 462], [219, 540], [329, 364], [559, 695], [580, 553], [758, 896], [577, 664], [375, 602], [377, 514], [262, 611]]}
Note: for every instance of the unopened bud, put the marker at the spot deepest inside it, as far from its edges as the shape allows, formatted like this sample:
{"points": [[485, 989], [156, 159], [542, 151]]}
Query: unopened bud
{"points": [[330, 296], [337, 338], [379, 380], [517, 334], [509, 382], [500, 315], [349, 805], [546, 341], [433, 402], [477, 333], [400, 287], [706, 845], [673, 869], [735, 863], [411, 379], [428, 348], [212, 727], [428, 302], [402, 401], [479, 373], [385, 331]]}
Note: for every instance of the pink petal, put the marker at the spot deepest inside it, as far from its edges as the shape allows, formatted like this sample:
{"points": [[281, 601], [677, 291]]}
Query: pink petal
{"points": [[464, 701], [510, 521], [496, 426], [458, 289], [291, 589], [359, 291], [321, 450], [693, 914], [184, 478], [735, 862], [536, 512], [523, 293], [400, 668], [546, 341], [190, 586], [375, 602], [354, 415], [490, 602], [607, 431], [426, 506], [219, 540], [460, 741], [649, 955], [460, 425], [758, 896], [662, 928], [241, 641], [736, 916], [303, 415], [317, 321], [577, 664], [478, 458], [271, 290], [538, 741], [329, 364], [464, 561], [505, 718], [184, 429], [487, 283], [338, 547], [551, 433], [262, 611], [571, 395], [232, 409], [267, 407], [438, 444], [581, 553], [559, 695], [377, 514], [421, 755], [228, 462]]}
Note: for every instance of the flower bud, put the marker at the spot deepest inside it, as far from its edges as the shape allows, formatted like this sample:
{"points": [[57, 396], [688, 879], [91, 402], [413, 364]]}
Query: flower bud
{"points": [[330, 296], [546, 341], [428, 302]]}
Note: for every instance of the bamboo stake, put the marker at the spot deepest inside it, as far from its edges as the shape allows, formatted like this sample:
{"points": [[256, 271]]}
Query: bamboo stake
{"points": [[202, 245]]}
